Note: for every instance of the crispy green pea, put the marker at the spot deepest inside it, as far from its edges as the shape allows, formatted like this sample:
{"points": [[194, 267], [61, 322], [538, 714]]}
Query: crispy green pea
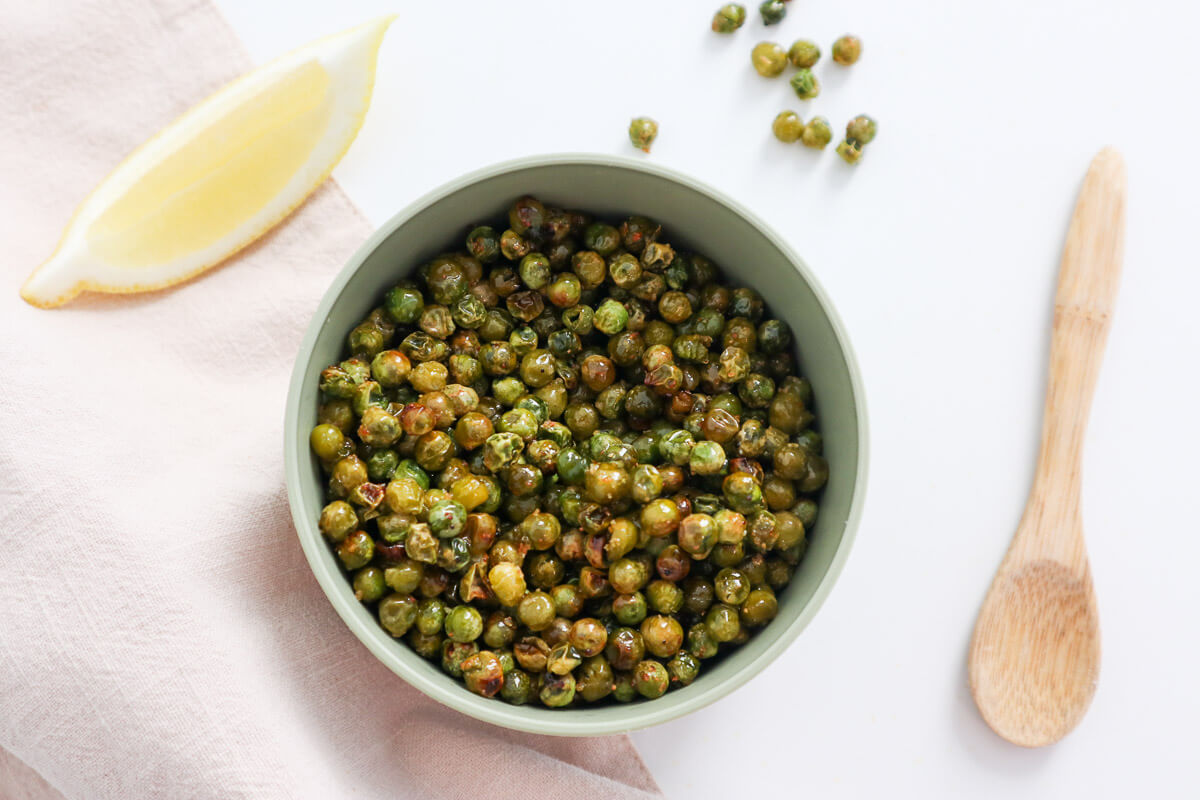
{"points": [[664, 597], [697, 535], [647, 483], [518, 688], [483, 674], [723, 622], [404, 304], [557, 690], [804, 53], [588, 636], [338, 519], [768, 59], [707, 458], [663, 635], [404, 577], [623, 688], [650, 679], [700, 642], [817, 133], [606, 483], [508, 583], [732, 587], [816, 475], [431, 616], [484, 244], [760, 607], [536, 610], [787, 126], [565, 292], [326, 441], [806, 511], [847, 49], [850, 152], [420, 544], [534, 270], [630, 609], [447, 518], [368, 584], [804, 83], [464, 624], [642, 133], [397, 613], [611, 317], [683, 668], [742, 492], [729, 18], [860, 130], [660, 518], [772, 11], [595, 679], [366, 339], [356, 550], [454, 654]]}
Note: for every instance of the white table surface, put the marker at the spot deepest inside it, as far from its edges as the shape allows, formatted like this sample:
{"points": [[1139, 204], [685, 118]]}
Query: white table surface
{"points": [[941, 251]]}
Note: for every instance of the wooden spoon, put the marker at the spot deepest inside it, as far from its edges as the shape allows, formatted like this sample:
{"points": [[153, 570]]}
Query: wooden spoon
{"points": [[1035, 655]]}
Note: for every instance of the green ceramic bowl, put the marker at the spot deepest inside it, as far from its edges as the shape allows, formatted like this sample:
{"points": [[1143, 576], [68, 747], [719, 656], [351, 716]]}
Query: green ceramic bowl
{"points": [[696, 217]]}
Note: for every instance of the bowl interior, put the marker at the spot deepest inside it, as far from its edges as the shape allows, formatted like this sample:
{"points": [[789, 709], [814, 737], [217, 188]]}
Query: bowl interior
{"points": [[693, 217]]}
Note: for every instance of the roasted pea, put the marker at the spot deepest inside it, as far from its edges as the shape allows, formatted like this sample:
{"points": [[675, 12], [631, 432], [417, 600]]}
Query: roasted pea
{"points": [[851, 152], [508, 583], [804, 53], [630, 609], [697, 535], [683, 668], [729, 18], [723, 622], [768, 59], [594, 679], [664, 597], [397, 613], [557, 690], [817, 133], [816, 475], [759, 608], [700, 642], [805, 84], [860, 130], [627, 575], [847, 49], [518, 688], [642, 133], [536, 610], [787, 126], [772, 11], [588, 637], [650, 679]]}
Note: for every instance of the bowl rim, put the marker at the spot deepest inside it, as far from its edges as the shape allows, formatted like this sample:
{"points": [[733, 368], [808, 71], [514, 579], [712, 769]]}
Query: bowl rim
{"points": [[558, 723]]}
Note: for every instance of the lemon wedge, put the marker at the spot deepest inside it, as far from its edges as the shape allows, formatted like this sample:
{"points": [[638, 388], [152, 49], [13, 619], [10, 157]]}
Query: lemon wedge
{"points": [[218, 177]]}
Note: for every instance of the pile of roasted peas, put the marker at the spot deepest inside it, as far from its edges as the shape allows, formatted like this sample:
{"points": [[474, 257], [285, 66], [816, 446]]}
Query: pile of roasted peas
{"points": [[568, 463]]}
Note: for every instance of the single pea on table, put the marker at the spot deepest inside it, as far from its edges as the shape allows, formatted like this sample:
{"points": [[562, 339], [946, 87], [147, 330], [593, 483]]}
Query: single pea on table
{"points": [[568, 463]]}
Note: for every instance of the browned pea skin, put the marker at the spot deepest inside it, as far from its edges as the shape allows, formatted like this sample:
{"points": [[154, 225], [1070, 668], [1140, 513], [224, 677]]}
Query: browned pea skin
{"points": [[482, 674]]}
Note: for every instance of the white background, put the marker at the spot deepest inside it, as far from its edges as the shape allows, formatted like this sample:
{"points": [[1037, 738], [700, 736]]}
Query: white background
{"points": [[940, 250]]}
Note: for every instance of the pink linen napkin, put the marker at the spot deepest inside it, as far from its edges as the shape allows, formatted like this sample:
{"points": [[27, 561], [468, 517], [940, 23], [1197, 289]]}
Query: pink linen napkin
{"points": [[160, 632]]}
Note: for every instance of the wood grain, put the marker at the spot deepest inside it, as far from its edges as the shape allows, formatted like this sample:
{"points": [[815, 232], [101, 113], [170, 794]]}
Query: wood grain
{"points": [[1035, 655]]}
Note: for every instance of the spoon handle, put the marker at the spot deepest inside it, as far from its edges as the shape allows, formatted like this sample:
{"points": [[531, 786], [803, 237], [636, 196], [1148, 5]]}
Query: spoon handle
{"points": [[1087, 288]]}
